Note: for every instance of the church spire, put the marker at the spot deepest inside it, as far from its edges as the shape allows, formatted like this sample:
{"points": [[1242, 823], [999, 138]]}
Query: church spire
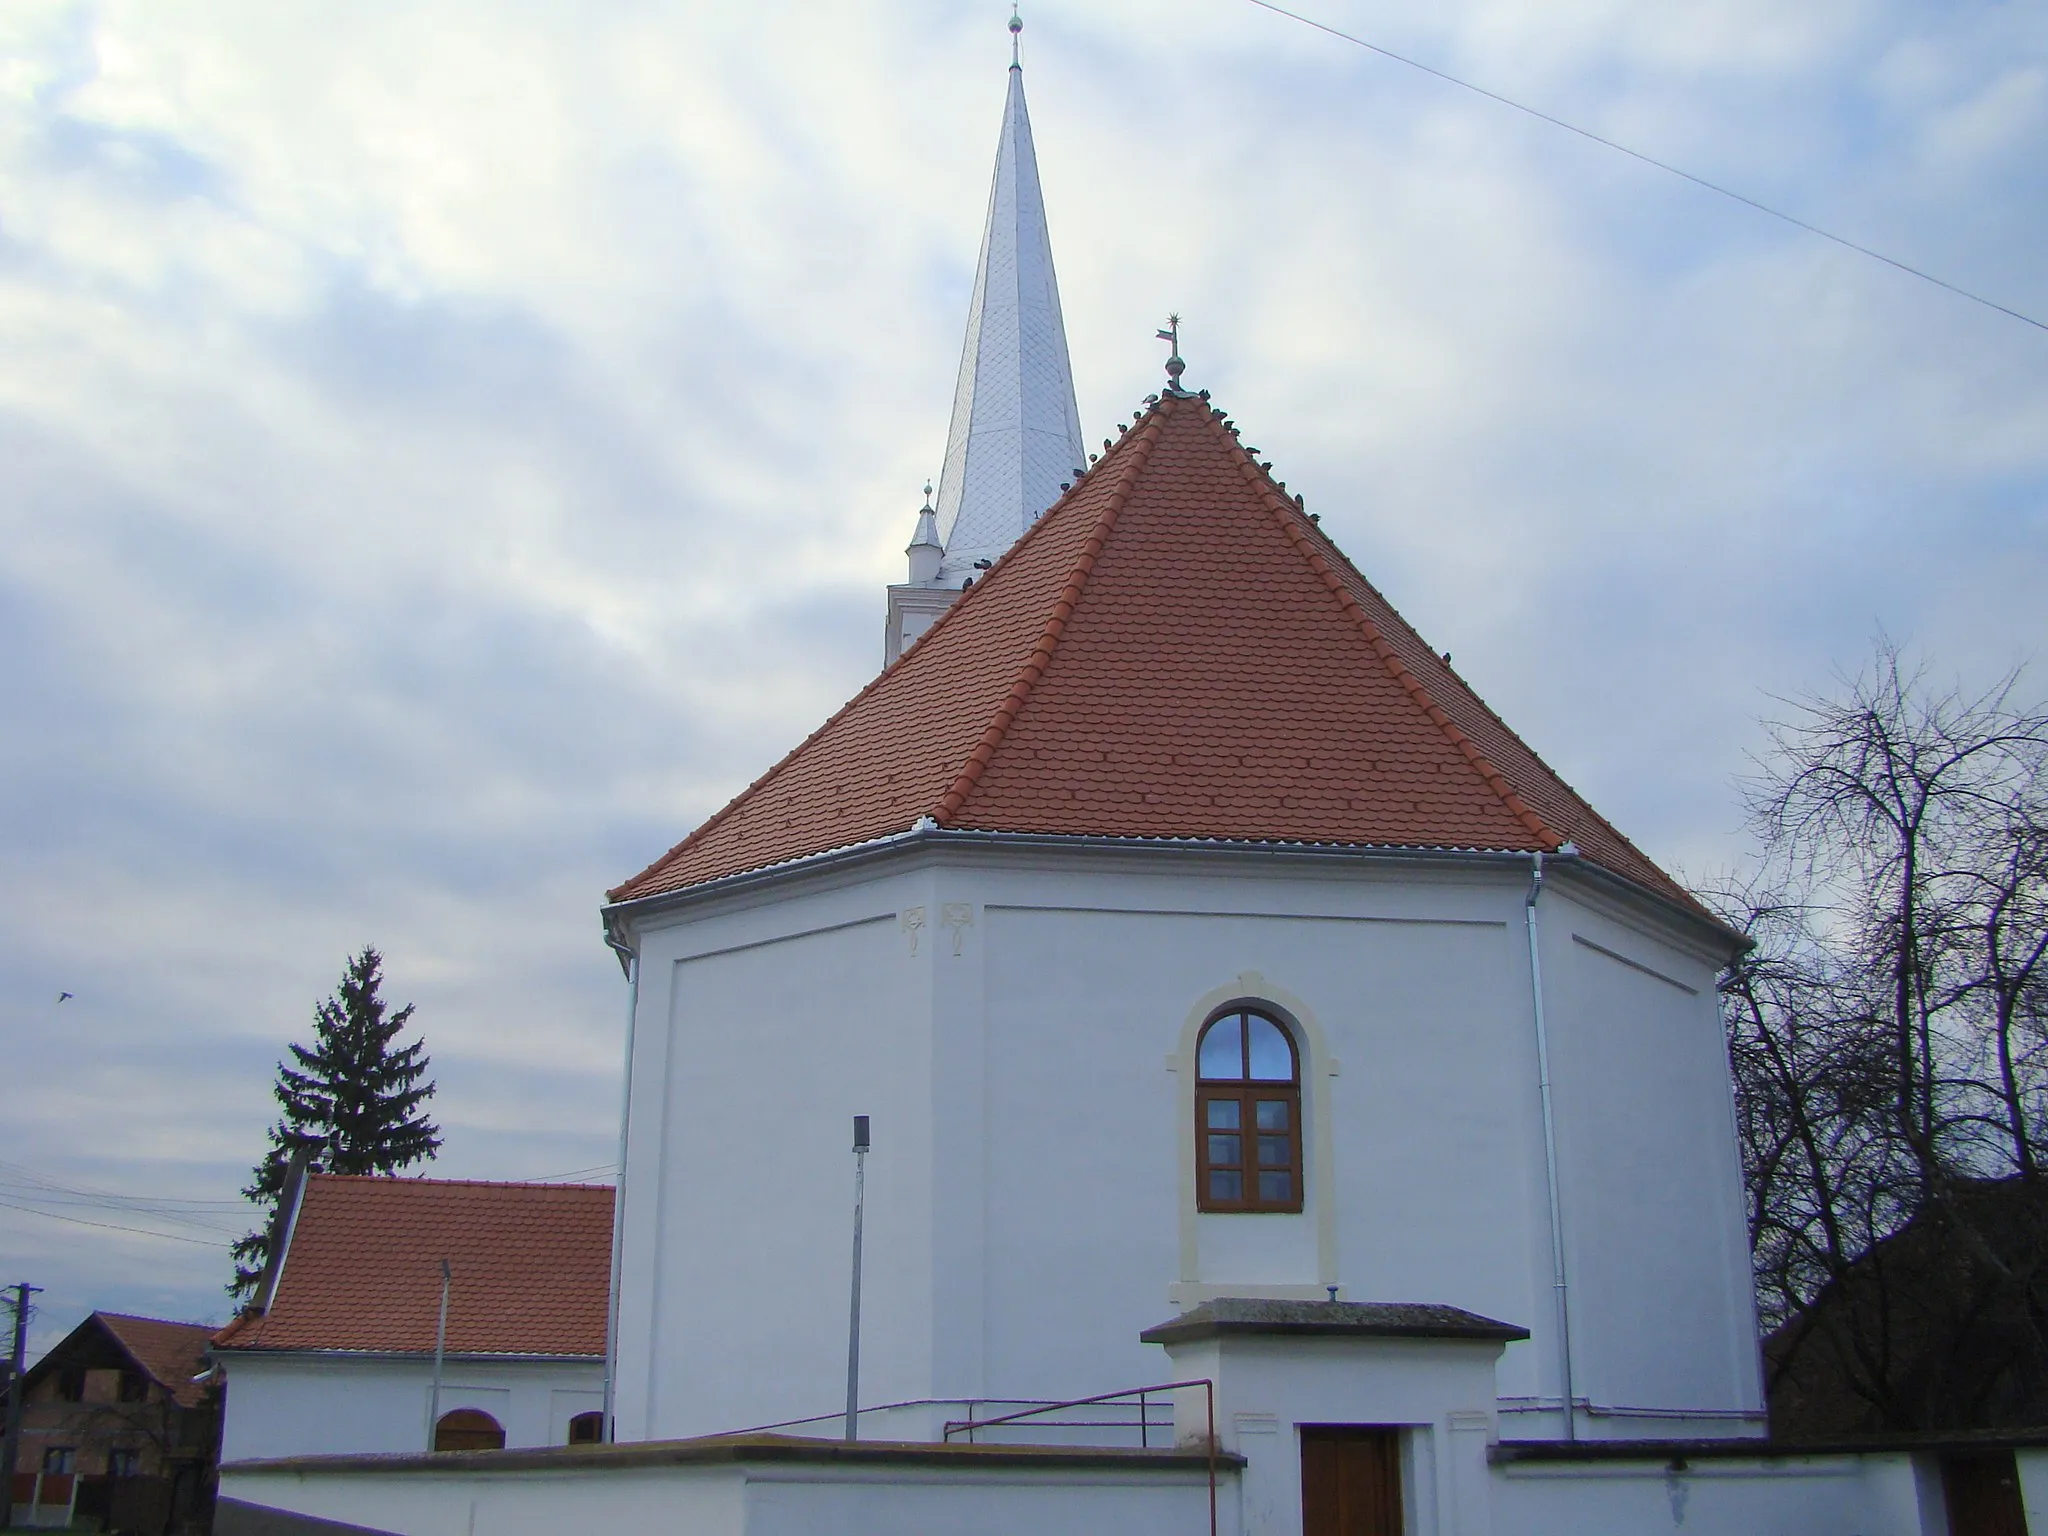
{"points": [[1015, 432]]}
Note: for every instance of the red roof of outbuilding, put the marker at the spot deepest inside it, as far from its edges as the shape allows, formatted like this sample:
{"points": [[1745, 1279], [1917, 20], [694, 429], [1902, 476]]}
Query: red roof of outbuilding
{"points": [[1175, 650], [172, 1353], [531, 1266]]}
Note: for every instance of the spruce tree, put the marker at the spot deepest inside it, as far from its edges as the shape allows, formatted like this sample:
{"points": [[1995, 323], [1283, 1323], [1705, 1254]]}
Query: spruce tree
{"points": [[352, 1104]]}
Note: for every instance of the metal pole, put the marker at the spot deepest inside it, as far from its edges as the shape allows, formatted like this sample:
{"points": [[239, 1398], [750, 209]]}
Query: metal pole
{"points": [[440, 1349], [1558, 1284], [860, 1176], [12, 1457]]}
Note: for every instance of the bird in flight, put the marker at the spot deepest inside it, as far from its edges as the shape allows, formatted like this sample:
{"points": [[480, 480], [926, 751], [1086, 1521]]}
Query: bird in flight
{"points": [[63, 997]]}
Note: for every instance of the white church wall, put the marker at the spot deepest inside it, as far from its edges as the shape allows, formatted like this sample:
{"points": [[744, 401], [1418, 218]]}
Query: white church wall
{"points": [[1012, 1021], [1410, 987], [306, 1404], [1657, 1246], [759, 1036]]}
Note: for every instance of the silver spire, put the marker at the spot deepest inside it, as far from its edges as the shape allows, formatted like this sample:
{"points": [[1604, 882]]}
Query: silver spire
{"points": [[1015, 434]]}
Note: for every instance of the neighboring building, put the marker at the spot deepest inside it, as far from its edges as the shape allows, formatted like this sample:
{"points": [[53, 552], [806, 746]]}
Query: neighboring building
{"points": [[1937, 1327], [338, 1353], [118, 1426]]}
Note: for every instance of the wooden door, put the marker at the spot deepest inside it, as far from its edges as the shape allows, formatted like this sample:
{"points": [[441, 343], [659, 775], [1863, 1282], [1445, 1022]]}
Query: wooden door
{"points": [[1982, 1490], [1350, 1480]]}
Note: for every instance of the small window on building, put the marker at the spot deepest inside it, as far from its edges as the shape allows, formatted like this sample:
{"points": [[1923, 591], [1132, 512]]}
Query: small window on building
{"points": [[71, 1383], [124, 1463], [1247, 1115], [134, 1387], [59, 1459], [468, 1429], [586, 1429]]}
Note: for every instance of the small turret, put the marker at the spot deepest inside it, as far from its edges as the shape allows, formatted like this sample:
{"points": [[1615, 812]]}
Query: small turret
{"points": [[925, 550]]}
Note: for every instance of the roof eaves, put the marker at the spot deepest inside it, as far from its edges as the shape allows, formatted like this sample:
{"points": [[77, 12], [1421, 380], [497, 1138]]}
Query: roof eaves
{"points": [[970, 837], [1055, 623], [325, 1352], [622, 910]]}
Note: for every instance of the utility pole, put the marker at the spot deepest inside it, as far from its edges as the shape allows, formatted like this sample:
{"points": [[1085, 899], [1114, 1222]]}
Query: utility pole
{"points": [[440, 1350], [22, 1291], [860, 1175]]}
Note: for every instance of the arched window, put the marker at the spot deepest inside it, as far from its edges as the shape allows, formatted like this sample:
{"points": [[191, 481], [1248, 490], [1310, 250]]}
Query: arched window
{"points": [[1247, 1115], [468, 1429], [586, 1429]]}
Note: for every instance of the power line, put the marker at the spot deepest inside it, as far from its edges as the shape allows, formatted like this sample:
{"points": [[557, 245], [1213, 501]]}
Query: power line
{"points": [[549, 1178], [80, 1221], [25, 1184], [18, 1171], [1650, 160]]}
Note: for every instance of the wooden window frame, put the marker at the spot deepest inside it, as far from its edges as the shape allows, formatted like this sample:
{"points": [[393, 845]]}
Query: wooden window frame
{"points": [[1245, 1091]]}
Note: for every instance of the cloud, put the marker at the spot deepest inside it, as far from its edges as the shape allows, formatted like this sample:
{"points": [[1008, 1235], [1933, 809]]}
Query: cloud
{"points": [[449, 450]]}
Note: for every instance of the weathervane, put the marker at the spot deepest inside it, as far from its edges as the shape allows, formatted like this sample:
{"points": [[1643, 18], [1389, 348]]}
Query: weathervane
{"points": [[1016, 26], [1174, 366]]}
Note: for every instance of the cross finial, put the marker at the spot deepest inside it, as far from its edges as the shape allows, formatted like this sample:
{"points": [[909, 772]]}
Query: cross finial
{"points": [[1174, 366], [1016, 26]]}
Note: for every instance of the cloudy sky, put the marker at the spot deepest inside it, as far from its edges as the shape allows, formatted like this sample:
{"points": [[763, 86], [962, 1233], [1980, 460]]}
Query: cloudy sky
{"points": [[447, 448]]}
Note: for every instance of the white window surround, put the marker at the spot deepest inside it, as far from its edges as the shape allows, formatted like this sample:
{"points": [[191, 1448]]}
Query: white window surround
{"points": [[1251, 990]]}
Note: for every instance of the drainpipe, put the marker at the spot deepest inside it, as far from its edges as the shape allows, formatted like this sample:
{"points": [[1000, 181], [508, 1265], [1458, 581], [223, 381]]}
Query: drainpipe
{"points": [[1558, 1285], [630, 961]]}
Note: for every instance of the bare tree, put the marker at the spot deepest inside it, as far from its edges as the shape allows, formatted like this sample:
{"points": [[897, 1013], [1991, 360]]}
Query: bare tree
{"points": [[1890, 1045]]}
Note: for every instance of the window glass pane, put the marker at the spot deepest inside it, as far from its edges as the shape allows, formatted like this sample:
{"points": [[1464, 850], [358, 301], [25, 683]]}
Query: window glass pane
{"points": [[1273, 1114], [1222, 1054], [1225, 1184], [1276, 1188], [1225, 1150], [1275, 1152], [1223, 1114], [1272, 1060]]}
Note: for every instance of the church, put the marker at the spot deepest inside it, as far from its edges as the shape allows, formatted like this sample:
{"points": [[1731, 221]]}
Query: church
{"points": [[1288, 1105]]}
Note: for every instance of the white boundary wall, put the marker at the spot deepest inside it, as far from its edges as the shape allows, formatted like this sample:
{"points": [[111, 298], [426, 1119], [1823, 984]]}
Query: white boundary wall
{"points": [[1871, 1494], [744, 1500]]}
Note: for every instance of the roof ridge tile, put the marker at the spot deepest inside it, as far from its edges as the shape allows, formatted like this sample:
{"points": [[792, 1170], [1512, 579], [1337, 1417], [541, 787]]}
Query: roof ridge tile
{"points": [[1287, 514]]}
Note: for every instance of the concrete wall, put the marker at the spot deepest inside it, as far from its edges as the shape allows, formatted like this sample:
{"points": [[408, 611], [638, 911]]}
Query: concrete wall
{"points": [[741, 1501], [1876, 1495], [1015, 1024], [304, 1405]]}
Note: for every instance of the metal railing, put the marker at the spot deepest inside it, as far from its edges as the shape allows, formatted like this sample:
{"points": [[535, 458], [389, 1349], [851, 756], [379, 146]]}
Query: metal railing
{"points": [[1141, 1397]]}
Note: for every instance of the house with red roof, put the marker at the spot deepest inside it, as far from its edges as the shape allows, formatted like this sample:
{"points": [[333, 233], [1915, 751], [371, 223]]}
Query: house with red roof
{"points": [[414, 1314], [119, 1424]]}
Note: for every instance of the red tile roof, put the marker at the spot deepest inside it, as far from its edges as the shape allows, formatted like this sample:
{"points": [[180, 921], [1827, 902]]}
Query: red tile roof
{"points": [[531, 1266], [1176, 651], [170, 1353]]}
